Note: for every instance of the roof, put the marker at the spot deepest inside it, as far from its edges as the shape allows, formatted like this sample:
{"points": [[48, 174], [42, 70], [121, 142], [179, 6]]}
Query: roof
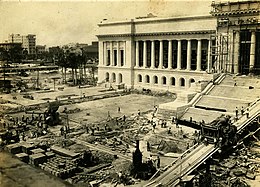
{"points": [[155, 19]]}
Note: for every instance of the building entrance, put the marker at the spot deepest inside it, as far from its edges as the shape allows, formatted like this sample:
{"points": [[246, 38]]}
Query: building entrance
{"points": [[256, 69], [245, 41]]}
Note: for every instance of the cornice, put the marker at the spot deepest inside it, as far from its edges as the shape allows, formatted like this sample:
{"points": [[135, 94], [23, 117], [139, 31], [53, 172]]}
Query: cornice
{"points": [[157, 34], [235, 12]]}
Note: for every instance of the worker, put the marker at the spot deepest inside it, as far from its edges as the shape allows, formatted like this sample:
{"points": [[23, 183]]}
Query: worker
{"points": [[242, 111], [215, 141], [148, 146], [220, 142], [236, 111], [247, 113], [188, 146], [173, 119], [118, 109], [61, 131], [158, 162], [169, 130], [206, 141], [139, 112]]}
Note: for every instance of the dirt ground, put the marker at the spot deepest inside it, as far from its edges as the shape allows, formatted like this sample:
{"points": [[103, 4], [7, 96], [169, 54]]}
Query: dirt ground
{"points": [[98, 110]]}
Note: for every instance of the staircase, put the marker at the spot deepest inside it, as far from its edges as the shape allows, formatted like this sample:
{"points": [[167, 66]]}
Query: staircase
{"points": [[224, 98]]}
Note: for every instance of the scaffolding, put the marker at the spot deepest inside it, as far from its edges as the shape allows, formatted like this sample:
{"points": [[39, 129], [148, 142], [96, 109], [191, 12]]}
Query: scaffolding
{"points": [[219, 52]]}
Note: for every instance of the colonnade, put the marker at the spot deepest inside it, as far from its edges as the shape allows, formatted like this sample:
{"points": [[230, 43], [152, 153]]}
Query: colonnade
{"points": [[114, 54], [170, 53]]}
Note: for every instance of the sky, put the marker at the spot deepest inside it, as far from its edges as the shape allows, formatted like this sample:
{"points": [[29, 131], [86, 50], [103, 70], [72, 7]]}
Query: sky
{"points": [[61, 22]]}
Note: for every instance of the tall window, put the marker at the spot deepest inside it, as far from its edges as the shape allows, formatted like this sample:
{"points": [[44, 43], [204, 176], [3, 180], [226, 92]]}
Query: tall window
{"points": [[122, 57]]}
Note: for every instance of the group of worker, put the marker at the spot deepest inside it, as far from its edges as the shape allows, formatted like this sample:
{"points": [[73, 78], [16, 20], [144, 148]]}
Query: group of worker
{"points": [[242, 112]]}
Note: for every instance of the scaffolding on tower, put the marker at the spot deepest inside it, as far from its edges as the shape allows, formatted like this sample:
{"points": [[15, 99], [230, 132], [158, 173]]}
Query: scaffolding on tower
{"points": [[219, 49]]}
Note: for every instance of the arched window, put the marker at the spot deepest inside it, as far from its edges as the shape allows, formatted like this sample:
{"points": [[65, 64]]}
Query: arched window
{"points": [[107, 76], [139, 78], [164, 81], [113, 77], [182, 82], [147, 79], [120, 78], [155, 80], [173, 81], [191, 81]]}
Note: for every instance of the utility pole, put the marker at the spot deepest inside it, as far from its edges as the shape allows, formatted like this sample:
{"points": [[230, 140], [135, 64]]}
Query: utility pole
{"points": [[37, 79]]}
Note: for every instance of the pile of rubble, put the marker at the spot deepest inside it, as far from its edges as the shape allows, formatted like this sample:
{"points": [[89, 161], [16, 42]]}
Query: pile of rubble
{"points": [[235, 170]]}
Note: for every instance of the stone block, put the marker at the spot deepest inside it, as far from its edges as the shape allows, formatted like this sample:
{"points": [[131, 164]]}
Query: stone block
{"points": [[26, 147], [14, 148], [36, 151], [37, 159], [23, 157]]}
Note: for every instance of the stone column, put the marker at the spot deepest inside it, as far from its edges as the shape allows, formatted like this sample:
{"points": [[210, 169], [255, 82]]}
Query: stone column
{"points": [[153, 54], [105, 53], [179, 55], [209, 62], [161, 55], [236, 51], [252, 50], [145, 54], [118, 54], [199, 56], [111, 54], [169, 54], [189, 55], [137, 54]]}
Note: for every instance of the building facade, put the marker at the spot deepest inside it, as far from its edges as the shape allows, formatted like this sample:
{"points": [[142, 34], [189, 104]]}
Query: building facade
{"points": [[28, 42], [237, 48], [172, 53], [158, 53]]}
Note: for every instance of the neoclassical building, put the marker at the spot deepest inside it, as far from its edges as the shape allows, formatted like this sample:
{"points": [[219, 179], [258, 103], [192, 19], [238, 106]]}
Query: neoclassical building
{"points": [[169, 53], [237, 48]]}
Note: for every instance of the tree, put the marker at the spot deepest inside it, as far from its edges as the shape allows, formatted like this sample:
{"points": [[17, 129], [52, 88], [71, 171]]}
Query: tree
{"points": [[63, 63]]}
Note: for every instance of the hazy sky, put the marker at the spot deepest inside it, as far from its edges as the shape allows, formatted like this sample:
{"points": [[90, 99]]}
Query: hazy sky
{"points": [[62, 22]]}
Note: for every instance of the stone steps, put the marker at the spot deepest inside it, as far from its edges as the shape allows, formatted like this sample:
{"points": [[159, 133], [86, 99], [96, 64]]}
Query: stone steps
{"points": [[198, 114]]}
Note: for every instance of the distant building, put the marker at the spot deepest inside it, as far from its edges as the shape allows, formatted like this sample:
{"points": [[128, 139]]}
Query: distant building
{"points": [[28, 42], [7, 45], [13, 52], [40, 49], [91, 51], [55, 50]]}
